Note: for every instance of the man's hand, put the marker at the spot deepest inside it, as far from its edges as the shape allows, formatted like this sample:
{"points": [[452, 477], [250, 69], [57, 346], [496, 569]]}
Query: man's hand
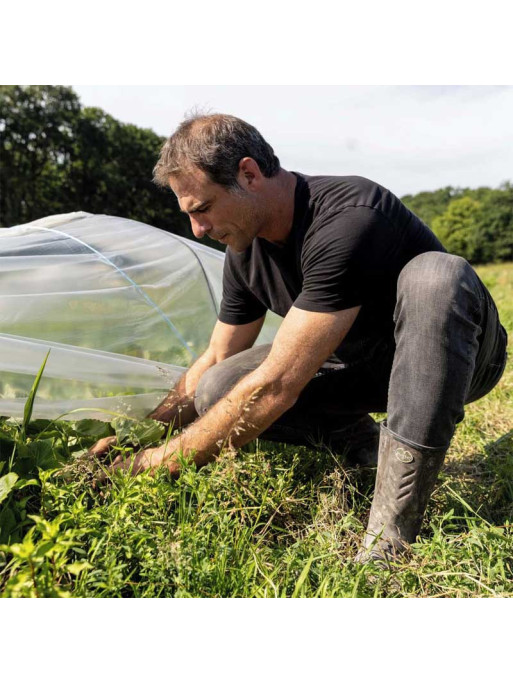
{"points": [[102, 446], [304, 341], [147, 459], [178, 406]]}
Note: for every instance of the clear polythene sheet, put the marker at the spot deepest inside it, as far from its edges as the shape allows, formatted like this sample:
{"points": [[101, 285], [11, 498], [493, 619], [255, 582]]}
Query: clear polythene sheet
{"points": [[123, 307]]}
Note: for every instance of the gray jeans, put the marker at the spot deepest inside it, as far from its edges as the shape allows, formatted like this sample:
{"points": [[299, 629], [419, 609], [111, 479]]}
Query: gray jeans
{"points": [[448, 350]]}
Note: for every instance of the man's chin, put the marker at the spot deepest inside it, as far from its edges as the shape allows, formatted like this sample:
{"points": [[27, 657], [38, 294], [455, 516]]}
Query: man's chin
{"points": [[238, 246]]}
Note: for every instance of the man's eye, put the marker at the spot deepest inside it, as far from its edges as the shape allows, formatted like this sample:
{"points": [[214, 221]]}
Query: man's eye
{"points": [[201, 211]]}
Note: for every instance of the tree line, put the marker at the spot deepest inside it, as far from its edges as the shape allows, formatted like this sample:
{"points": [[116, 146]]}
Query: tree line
{"points": [[475, 224], [58, 157]]}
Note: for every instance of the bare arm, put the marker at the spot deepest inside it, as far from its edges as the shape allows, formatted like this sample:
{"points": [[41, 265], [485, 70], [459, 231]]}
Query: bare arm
{"points": [[226, 340], [305, 340], [178, 406]]}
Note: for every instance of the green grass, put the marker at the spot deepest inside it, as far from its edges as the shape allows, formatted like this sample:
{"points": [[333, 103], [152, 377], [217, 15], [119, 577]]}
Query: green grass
{"points": [[274, 521]]}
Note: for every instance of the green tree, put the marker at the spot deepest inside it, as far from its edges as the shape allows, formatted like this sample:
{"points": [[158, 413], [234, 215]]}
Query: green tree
{"points": [[428, 205], [37, 125], [111, 172], [57, 157], [494, 225], [457, 227]]}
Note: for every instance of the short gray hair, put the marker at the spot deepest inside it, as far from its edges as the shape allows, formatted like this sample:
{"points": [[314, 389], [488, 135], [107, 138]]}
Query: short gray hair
{"points": [[215, 143]]}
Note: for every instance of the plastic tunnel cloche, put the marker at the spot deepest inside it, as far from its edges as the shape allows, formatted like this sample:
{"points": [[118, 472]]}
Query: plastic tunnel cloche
{"points": [[123, 307]]}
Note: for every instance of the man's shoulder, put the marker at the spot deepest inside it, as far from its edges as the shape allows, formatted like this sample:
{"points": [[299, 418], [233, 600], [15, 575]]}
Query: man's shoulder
{"points": [[339, 192], [324, 196], [323, 180]]}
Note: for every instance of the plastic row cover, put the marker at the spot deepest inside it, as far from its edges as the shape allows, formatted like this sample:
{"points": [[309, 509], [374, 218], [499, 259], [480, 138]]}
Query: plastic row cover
{"points": [[124, 308]]}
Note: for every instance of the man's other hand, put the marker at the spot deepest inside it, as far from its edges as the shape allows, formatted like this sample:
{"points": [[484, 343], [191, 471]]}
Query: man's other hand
{"points": [[102, 446], [143, 460], [147, 459]]}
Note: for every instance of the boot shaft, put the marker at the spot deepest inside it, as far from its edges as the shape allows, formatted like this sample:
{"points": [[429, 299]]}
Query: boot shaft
{"points": [[405, 480]]}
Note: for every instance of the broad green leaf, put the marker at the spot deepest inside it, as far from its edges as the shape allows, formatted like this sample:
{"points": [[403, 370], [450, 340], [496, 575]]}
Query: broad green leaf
{"points": [[38, 425], [7, 483], [92, 428], [37, 449], [41, 454], [123, 428], [78, 567], [6, 435], [21, 484], [7, 524], [140, 433], [6, 444], [149, 431], [44, 549], [25, 549]]}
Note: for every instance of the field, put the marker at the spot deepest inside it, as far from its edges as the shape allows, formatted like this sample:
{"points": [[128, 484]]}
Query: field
{"points": [[275, 521]]}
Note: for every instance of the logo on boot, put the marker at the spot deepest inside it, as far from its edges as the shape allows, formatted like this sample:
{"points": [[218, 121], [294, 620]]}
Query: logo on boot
{"points": [[404, 456]]}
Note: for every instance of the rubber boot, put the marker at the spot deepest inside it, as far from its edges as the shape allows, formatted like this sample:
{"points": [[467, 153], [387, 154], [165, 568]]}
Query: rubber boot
{"points": [[405, 480]]}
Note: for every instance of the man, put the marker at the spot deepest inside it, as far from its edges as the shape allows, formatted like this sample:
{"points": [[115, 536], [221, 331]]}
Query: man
{"points": [[377, 317]]}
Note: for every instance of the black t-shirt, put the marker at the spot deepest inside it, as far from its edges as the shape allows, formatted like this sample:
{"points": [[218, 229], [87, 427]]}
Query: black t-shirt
{"points": [[350, 239]]}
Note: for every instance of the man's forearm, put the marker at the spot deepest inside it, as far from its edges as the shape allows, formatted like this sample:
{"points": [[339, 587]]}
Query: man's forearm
{"points": [[178, 406], [303, 342], [246, 411]]}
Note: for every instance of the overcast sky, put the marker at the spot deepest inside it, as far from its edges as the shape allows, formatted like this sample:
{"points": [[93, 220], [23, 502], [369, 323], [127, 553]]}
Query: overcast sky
{"points": [[408, 138]]}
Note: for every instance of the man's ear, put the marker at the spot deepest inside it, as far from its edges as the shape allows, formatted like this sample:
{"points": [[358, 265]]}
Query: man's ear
{"points": [[249, 177]]}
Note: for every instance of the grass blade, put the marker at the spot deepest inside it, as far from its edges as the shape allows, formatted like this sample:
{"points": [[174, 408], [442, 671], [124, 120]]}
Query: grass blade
{"points": [[29, 404], [302, 577]]}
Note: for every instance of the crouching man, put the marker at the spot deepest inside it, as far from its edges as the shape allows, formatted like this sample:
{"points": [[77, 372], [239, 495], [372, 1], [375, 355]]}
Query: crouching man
{"points": [[377, 317]]}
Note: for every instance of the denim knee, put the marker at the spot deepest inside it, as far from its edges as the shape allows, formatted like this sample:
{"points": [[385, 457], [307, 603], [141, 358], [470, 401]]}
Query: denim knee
{"points": [[218, 380], [214, 384], [435, 285]]}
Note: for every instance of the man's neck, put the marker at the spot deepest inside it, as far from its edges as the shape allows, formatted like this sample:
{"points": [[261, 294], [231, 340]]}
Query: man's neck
{"points": [[281, 195]]}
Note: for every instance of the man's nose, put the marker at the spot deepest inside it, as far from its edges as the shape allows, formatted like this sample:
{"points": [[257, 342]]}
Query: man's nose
{"points": [[200, 226]]}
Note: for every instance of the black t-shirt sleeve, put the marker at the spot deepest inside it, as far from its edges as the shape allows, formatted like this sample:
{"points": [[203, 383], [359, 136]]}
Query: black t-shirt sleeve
{"points": [[338, 258], [238, 305]]}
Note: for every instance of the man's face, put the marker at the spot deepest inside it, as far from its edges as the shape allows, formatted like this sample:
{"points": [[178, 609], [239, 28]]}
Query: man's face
{"points": [[230, 217]]}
